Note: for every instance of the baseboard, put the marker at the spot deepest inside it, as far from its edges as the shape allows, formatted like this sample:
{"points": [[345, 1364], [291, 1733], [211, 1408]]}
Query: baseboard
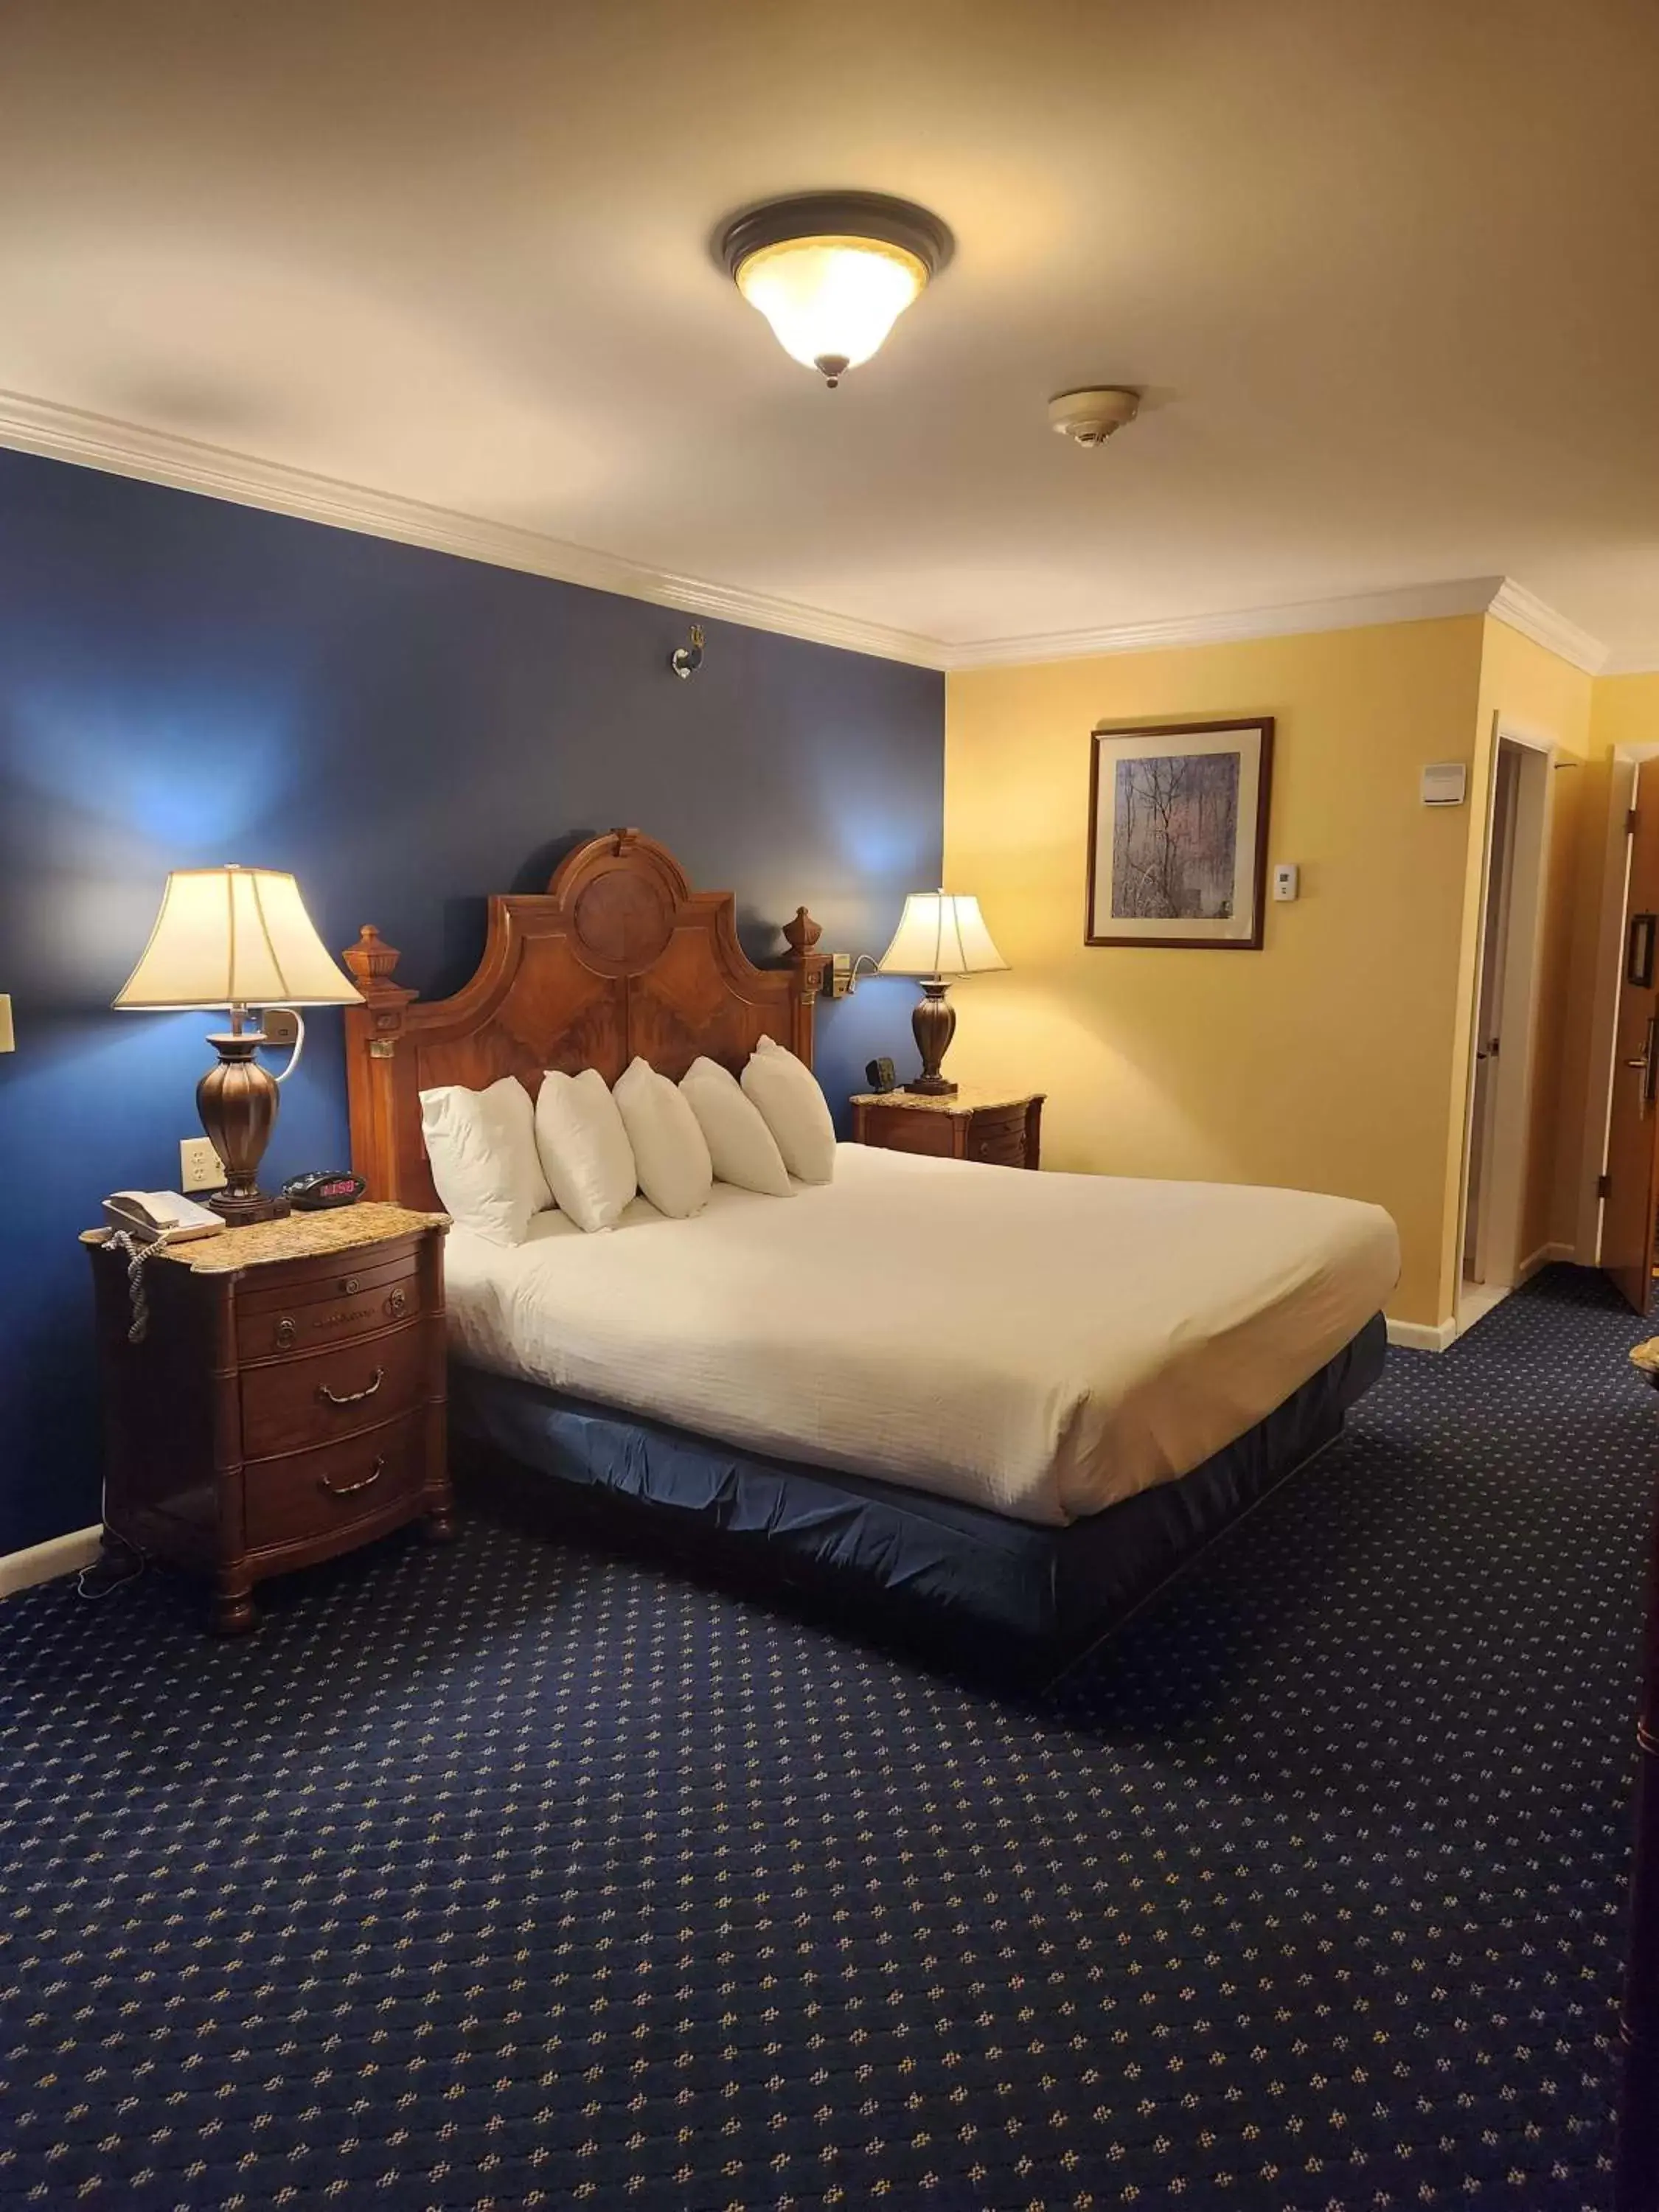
{"points": [[1437, 1336], [1423, 1335], [59, 1555], [1545, 1256]]}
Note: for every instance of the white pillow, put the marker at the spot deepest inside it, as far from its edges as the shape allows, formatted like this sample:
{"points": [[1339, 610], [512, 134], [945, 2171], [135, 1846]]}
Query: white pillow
{"points": [[584, 1147], [744, 1150], [481, 1146], [794, 1109], [670, 1150]]}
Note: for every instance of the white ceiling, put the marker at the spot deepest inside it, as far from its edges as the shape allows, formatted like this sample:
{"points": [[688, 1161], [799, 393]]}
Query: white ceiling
{"points": [[1388, 275]]}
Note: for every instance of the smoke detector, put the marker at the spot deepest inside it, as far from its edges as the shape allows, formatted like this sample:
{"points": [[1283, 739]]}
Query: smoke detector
{"points": [[1091, 417]]}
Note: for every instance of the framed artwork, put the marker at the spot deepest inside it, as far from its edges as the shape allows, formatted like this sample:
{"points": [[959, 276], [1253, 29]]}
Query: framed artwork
{"points": [[1178, 834]]}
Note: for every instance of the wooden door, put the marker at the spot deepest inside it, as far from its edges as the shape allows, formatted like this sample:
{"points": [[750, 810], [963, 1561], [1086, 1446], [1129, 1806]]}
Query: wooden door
{"points": [[1633, 1174]]}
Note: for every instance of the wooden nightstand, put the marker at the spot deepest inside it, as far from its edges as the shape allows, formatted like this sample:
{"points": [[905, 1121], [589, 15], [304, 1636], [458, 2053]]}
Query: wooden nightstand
{"points": [[1004, 1130], [287, 1402]]}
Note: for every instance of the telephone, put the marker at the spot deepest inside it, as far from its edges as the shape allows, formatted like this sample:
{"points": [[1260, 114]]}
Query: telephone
{"points": [[140, 1223], [158, 1217]]}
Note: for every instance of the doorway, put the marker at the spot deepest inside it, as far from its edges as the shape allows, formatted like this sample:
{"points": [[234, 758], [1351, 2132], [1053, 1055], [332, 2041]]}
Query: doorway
{"points": [[1630, 1180], [1494, 1252]]}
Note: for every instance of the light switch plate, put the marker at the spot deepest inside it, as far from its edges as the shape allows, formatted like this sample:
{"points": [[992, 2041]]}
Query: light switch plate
{"points": [[1287, 880], [200, 1167]]}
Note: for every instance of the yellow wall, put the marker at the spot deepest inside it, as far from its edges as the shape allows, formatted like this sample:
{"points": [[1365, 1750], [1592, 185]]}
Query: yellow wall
{"points": [[1331, 1058], [1625, 711]]}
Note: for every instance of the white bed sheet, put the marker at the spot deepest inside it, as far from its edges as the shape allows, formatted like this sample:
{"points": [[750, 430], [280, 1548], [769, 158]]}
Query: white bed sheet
{"points": [[1042, 1345]]}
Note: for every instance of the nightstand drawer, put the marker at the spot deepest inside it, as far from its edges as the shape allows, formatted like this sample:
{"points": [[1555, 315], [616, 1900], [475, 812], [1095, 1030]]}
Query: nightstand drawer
{"points": [[310, 1494], [1005, 1152], [293, 1403], [325, 1308], [897, 1130], [998, 1137]]}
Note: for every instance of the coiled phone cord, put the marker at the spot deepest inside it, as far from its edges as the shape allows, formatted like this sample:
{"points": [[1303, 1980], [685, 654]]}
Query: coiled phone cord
{"points": [[97, 1580]]}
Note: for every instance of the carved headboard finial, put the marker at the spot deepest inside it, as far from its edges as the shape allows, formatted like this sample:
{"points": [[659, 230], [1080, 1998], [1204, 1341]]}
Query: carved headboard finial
{"points": [[372, 961], [624, 839], [803, 932]]}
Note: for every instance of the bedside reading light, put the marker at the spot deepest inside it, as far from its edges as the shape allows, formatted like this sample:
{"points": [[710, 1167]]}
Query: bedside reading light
{"points": [[237, 938], [940, 935]]}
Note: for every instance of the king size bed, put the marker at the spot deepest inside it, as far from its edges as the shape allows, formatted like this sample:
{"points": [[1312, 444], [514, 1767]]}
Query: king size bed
{"points": [[992, 1402]]}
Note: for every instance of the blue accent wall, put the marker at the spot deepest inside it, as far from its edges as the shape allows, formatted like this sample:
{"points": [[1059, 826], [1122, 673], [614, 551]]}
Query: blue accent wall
{"points": [[184, 682]]}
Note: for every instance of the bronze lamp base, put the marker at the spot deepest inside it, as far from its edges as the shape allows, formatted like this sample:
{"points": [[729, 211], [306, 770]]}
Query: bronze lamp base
{"points": [[934, 1021], [237, 1102]]}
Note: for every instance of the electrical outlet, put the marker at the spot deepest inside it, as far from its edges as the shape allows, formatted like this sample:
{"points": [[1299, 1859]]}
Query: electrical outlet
{"points": [[281, 1025], [200, 1167]]}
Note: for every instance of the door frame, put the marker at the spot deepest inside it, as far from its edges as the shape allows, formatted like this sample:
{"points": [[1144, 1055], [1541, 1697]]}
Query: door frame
{"points": [[1538, 750], [1606, 978]]}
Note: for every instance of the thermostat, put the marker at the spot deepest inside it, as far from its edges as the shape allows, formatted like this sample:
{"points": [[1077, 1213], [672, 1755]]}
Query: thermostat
{"points": [[1445, 783]]}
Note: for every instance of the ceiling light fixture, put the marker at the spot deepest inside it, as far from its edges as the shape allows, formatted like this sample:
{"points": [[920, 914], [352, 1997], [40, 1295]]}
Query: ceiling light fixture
{"points": [[832, 272]]}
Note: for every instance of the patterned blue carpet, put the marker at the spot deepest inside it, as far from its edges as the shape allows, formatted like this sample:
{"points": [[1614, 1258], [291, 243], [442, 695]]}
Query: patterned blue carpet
{"points": [[514, 1875]]}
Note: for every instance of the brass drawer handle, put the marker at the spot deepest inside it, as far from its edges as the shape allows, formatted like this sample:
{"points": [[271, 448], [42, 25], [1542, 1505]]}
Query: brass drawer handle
{"points": [[352, 1397], [287, 1329], [397, 1305], [351, 1489], [350, 1286]]}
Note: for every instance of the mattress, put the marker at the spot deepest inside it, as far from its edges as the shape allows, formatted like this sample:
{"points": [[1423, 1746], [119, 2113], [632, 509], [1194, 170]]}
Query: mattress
{"points": [[1040, 1346]]}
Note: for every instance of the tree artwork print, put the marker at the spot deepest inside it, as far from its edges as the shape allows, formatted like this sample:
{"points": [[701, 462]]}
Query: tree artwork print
{"points": [[1175, 837], [1178, 834]]}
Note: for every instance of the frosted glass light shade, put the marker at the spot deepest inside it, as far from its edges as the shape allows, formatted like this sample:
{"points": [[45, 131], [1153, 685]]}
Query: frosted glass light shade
{"points": [[940, 933], [235, 937], [831, 302]]}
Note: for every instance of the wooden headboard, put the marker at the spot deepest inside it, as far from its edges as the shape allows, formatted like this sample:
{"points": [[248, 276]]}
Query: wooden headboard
{"points": [[618, 956]]}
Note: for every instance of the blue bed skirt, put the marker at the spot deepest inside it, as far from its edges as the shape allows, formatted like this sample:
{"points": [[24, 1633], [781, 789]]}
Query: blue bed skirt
{"points": [[890, 1553]]}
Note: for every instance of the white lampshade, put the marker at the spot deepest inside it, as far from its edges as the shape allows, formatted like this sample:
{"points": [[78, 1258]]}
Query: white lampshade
{"points": [[235, 937], [940, 933], [831, 301]]}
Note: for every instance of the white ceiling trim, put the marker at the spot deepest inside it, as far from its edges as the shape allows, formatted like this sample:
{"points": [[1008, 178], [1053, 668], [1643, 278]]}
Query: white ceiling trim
{"points": [[100, 441], [1636, 661], [1514, 605], [1468, 595]]}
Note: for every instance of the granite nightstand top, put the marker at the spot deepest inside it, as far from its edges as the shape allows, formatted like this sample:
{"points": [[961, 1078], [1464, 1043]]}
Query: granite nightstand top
{"points": [[965, 1101], [297, 1237]]}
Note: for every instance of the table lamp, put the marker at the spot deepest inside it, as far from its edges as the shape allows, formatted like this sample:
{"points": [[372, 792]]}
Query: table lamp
{"points": [[237, 938], [940, 935]]}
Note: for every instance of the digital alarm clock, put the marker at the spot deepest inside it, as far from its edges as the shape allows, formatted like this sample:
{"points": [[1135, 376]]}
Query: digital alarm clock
{"points": [[322, 1187]]}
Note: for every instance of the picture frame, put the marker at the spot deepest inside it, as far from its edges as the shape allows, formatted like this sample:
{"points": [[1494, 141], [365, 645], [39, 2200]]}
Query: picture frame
{"points": [[1178, 815]]}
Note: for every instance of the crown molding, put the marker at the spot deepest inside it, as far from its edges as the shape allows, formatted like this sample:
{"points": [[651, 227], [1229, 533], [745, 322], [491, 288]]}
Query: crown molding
{"points": [[128, 449], [1468, 595], [1497, 595], [1631, 660], [120, 448], [1521, 609]]}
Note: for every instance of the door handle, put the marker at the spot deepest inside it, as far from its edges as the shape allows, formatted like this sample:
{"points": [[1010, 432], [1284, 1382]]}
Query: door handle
{"points": [[351, 1397], [1647, 1062]]}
